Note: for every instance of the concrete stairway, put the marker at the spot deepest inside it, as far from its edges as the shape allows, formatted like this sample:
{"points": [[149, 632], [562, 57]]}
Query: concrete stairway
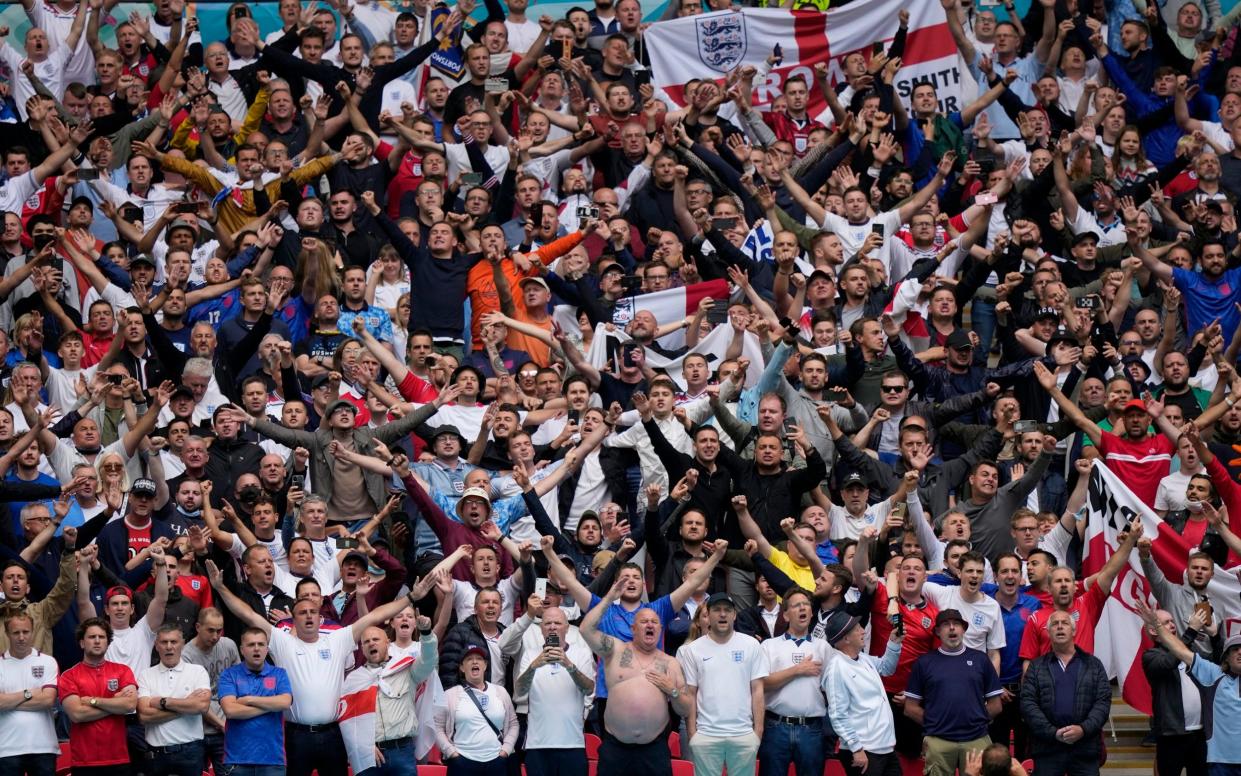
{"points": [[1125, 754]]}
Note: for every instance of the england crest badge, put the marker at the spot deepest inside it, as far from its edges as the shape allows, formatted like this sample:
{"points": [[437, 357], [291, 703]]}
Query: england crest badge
{"points": [[721, 40]]}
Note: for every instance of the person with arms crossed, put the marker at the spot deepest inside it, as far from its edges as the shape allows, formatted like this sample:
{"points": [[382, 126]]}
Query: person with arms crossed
{"points": [[173, 696], [254, 695], [97, 695], [28, 742]]}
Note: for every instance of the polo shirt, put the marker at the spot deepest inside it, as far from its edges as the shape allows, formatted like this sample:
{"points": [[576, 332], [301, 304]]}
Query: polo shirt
{"points": [[316, 671], [617, 622], [27, 731], [953, 689], [260, 739], [555, 698], [1014, 628], [179, 681], [1141, 464], [101, 741], [800, 696], [1086, 610], [1207, 300]]}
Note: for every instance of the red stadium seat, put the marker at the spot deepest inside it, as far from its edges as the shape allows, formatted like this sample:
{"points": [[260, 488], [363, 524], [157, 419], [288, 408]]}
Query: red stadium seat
{"points": [[682, 768], [433, 756], [1028, 765], [592, 746], [432, 770], [674, 745]]}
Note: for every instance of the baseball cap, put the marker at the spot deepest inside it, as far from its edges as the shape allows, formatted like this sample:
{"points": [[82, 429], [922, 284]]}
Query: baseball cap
{"points": [[959, 339], [1082, 237], [721, 598], [354, 555], [1233, 641], [319, 380], [474, 649], [838, 625], [617, 268], [538, 280], [82, 201], [118, 590], [141, 258], [820, 274], [180, 223], [1061, 334], [143, 486], [950, 615], [182, 390], [1133, 404], [1047, 312], [851, 479]]}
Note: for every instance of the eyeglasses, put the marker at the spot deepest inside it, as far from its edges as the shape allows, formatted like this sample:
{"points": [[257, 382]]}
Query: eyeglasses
{"points": [[893, 388], [1026, 529]]}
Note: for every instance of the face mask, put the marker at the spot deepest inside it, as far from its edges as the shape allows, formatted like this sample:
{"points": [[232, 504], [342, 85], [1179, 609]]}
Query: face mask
{"points": [[1194, 506], [249, 494], [196, 514]]}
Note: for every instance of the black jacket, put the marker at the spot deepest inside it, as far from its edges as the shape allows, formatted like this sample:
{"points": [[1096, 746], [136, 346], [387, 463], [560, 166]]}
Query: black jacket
{"points": [[773, 497], [1161, 669], [460, 637], [1092, 704]]}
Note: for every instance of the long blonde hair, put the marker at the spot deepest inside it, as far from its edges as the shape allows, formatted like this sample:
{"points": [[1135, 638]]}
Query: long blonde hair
{"points": [[318, 267]]}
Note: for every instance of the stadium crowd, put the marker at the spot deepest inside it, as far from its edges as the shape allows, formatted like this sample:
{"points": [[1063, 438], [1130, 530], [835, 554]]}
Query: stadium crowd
{"points": [[409, 383]]}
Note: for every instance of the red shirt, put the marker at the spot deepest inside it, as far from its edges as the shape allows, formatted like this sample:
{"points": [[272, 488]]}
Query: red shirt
{"points": [[94, 346], [101, 742], [920, 637], [1087, 609], [139, 539], [1141, 464]]}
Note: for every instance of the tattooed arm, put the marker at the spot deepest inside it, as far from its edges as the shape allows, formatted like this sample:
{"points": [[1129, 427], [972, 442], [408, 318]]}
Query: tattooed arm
{"points": [[601, 644]]}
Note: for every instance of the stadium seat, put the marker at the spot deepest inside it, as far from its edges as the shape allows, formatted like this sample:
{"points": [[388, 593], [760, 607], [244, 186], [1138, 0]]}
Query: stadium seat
{"points": [[674, 745], [432, 770], [433, 756], [1028, 765], [682, 768], [592, 746]]}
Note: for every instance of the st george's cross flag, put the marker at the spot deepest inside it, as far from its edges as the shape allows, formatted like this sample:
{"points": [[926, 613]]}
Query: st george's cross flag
{"points": [[1120, 638], [713, 44], [356, 715]]}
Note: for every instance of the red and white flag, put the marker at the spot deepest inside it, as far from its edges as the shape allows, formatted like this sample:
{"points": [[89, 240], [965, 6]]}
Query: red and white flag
{"points": [[1120, 638], [713, 44], [356, 715], [674, 304]]}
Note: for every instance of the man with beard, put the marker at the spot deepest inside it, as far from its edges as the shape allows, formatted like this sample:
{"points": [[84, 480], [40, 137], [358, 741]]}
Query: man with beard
{"points": [[1176, 388], [1211, 294], [641, 682], [231, 455], [1182, 599]]}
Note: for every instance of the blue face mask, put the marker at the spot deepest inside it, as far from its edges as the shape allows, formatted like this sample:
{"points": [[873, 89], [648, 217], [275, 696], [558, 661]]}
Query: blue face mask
{"points": [[197, 513]]}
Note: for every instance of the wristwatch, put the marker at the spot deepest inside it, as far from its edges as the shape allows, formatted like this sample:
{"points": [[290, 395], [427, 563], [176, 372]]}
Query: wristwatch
{"points": [[676, 693], [163, 704], [27, 694], [94, 702]]}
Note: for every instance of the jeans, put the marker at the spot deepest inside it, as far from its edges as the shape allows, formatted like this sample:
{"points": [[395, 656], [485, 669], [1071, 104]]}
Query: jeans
{"points": [[213, 744], [556, 762], [28, 765], [459, 766], [1066, 761], [322, 750], [176, 760], [398, 761], [982, 321], [736, 753], [1223, 769], [1010, 724], [876, 764], [801, 745]]}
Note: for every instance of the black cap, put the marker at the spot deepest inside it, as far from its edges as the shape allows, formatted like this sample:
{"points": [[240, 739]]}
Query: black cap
{"points": [[357, 556], [721, 598], [90, 203], [959, 339], [820, 274], [1047, 312], [319, 380], [141, 258], [143, 486], [340, 404], [615, 267], [853, 478], [950, 615], [838, 625], [1082, 237], [1061, 334]]}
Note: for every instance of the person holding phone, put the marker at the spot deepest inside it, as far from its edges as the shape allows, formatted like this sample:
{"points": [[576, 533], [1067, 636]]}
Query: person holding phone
{"points": [[556, 682]]}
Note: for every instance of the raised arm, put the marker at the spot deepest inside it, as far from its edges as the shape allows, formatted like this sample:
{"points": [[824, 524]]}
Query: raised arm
{"points": [[700, 577], [1070, 409], [240, 609]]}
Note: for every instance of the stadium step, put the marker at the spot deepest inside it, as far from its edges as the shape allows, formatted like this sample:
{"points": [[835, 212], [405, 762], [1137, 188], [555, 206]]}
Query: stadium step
{"points": [[1127, 727]]}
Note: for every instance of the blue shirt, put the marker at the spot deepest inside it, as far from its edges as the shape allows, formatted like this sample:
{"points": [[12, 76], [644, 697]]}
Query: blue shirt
{"points": [[1014, 625], [617, 622], [953, 689], [258, 740], [1207, 300], [15, 507], [376, 319], [1221, 711]]}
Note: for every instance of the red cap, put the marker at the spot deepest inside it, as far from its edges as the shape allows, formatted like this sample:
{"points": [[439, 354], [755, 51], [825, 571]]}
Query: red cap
{"points": [[1134, 404], [118, 590]]}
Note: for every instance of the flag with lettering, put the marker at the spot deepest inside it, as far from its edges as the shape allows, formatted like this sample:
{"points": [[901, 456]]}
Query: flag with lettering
{"points": [[713, 44]]}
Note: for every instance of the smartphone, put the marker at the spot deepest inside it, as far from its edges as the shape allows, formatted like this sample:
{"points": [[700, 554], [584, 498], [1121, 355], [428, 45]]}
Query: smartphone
{"points": [[185, 207], [790, 427], [876, 49], [587, 211], [898, 623], [1084, 303], [131, 214], [553, 640], [241, 12], [495, 86], [986, 198], [88, 173], [627, 353], [298, 481], [641, 77], [116, 379], [1025, 426], [566, 49], [718, 314], [876, 229], [346, 543], [471, 178], [777, 54], [540, 588], [724, 223], [575, 417]]}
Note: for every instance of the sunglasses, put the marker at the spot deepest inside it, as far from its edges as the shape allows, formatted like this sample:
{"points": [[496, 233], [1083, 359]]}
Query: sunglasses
{"points": [[893, 388]]}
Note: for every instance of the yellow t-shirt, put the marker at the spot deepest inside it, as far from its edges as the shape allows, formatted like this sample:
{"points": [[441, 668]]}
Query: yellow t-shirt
{"points": [[801, 575]]}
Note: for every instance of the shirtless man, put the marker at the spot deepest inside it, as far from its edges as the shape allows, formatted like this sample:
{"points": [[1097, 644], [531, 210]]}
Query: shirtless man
{"points": [[641, 681]]}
